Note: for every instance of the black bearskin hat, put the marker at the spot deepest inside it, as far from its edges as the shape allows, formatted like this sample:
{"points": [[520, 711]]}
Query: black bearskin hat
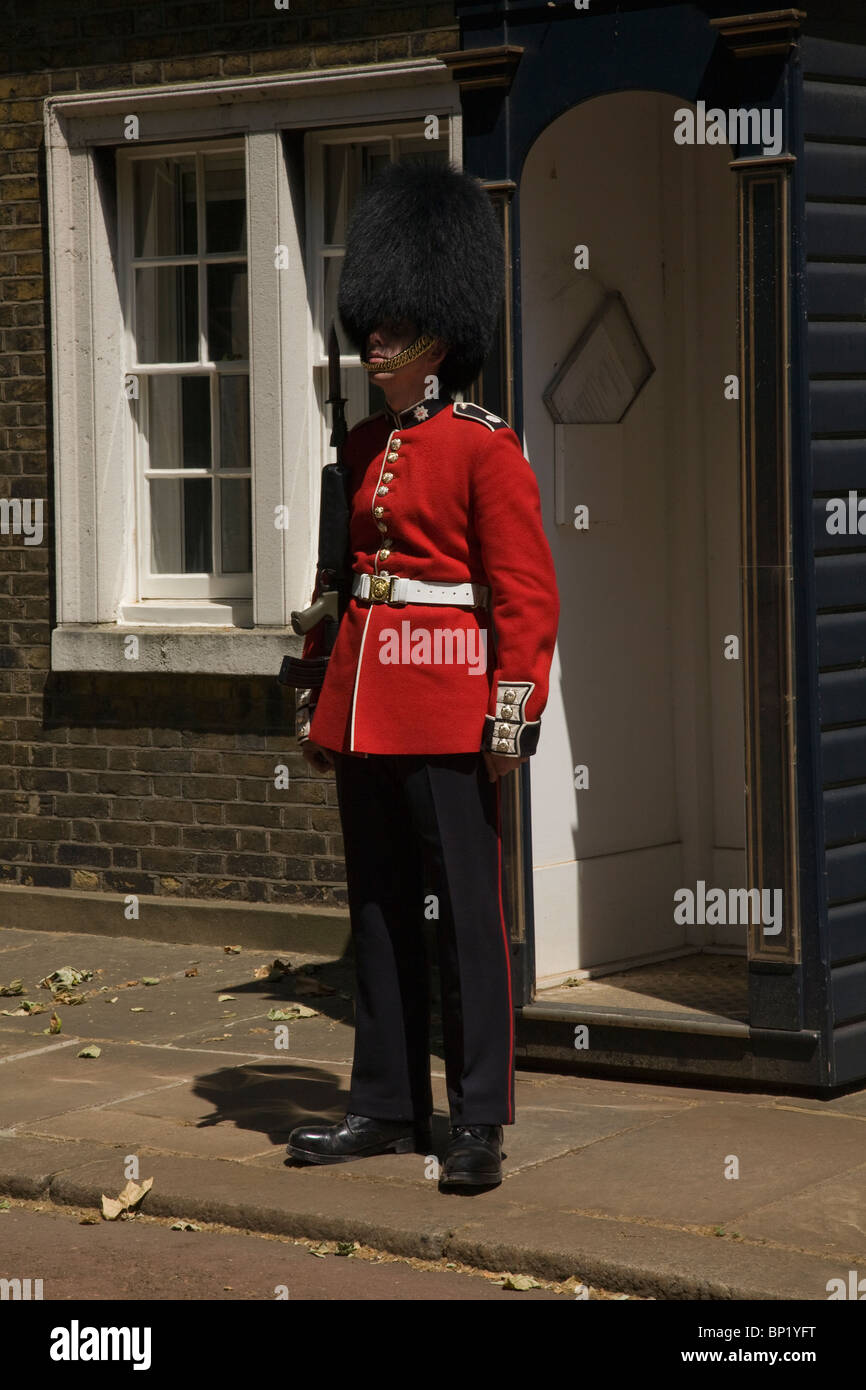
{"points": [[424, 244]]}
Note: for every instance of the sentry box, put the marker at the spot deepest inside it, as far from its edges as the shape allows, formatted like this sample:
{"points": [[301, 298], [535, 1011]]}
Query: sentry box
{"points": [[684, 352]]}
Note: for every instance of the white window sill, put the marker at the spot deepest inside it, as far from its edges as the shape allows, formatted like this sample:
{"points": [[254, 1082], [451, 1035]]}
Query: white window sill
{"points": [[178, 612], [203, 649]]}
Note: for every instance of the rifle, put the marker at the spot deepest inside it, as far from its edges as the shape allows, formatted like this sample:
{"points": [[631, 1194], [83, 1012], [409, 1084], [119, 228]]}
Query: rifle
{"points": [[333, 570]]}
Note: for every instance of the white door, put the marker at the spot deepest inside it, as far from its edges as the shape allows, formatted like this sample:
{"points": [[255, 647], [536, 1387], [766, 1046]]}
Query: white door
{"points": [[646, 690]]}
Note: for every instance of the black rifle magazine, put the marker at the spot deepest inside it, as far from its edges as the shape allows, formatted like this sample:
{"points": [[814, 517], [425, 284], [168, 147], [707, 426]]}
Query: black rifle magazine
{"points": [[303, 671]]}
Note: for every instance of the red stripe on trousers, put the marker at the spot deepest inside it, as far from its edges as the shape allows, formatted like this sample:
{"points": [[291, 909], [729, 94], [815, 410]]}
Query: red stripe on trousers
{"points": [[507, 952]]}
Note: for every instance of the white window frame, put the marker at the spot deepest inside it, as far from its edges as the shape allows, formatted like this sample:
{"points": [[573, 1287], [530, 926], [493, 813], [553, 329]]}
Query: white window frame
{"points": [[150, 584], [94, 486], [353, 384]]}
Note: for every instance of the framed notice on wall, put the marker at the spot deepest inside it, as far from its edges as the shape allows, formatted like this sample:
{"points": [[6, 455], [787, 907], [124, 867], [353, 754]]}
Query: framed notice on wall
{"points": [[604, 372]]}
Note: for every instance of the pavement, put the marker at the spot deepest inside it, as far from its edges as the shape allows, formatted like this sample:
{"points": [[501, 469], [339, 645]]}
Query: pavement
{"points": [[651, 1190]]}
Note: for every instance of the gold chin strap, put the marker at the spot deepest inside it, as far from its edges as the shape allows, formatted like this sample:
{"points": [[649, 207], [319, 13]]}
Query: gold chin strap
{"points": [[393, 364]]}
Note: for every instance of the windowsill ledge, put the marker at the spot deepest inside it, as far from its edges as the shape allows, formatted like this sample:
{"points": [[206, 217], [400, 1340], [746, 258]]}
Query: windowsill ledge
{"points": [[202, 649], [176, 612]]}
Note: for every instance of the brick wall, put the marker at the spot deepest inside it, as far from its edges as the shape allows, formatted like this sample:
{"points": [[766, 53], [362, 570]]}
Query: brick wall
{"points": [[154, 785]]}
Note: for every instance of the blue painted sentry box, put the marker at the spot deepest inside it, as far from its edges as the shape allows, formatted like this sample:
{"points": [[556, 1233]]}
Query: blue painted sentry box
{"points": [[801, 272]]}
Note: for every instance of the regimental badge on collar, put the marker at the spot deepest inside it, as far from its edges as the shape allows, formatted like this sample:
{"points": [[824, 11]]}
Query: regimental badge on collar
{"points": [[468, 410], [418, 413]]}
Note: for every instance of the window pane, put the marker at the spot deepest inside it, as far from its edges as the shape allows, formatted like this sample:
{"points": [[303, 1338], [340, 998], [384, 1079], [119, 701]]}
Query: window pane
{"points": [[234, 407], [178, 421], [336, 194], [346, 169], [332, 267], [164, 206], [180, 529], [414, 148], [374, 158], [235, 528], [227, 325], [225, 202], [166, 314]]}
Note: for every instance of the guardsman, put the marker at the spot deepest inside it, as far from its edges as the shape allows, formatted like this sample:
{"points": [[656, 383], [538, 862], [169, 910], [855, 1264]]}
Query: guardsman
{"points": [[438, 677]]}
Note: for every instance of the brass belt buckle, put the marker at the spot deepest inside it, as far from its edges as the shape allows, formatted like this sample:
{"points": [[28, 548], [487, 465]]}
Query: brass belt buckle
{"points": [[380, 588]]}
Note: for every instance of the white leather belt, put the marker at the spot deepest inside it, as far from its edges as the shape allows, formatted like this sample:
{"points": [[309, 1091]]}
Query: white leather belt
{"points": [[390, 588]]}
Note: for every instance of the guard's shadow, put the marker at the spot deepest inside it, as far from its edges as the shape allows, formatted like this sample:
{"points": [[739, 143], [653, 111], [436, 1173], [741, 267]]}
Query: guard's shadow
{"points": [[273, 1098]]}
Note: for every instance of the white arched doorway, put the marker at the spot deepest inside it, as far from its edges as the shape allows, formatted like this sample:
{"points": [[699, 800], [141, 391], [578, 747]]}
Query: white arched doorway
{"points": [[642, 692]]}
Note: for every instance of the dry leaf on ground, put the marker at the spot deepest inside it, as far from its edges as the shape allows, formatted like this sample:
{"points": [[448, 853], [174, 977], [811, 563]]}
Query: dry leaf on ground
{"points": [[113, 1207], [65, 978], [518, 1281], [275, 971], [26, 1007]]}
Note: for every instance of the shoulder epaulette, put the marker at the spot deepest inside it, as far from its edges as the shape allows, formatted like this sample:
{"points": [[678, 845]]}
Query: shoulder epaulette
{"points": [[468, 410]]}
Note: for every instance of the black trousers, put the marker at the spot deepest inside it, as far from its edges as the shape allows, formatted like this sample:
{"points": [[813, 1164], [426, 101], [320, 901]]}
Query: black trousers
{"points": [[422, 840]]}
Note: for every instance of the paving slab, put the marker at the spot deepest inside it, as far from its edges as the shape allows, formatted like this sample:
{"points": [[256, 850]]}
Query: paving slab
{"points": [[168, 1012], [674, 1169], [852, 1103], [542, 1133], [59, 1081], [829, 1216], [21, 1048], [133, 1133], [180, 1006], [308, 1037], [28, 1166], [243, 1092]]}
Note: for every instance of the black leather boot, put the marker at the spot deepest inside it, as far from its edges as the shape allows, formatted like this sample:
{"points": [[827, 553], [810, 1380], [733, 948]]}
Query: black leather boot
{"points": [[358, 1136], [474, 1157]]}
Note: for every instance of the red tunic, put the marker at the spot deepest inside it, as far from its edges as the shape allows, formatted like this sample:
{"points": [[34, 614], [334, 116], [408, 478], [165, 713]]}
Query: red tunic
{"points": [[461, 504]]}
